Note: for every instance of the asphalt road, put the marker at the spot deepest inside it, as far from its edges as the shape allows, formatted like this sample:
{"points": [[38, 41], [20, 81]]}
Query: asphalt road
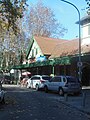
{"points": [[28, 104]]}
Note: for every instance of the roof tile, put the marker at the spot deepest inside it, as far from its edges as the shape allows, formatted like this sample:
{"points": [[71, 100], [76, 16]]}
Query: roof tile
{"points": [[47, 45]]}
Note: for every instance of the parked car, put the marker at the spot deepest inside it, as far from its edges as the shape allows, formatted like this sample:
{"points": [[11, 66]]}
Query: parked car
{"points": [[63, 84], [2, 94], [1, 78], [6, 79], [37, 81]]}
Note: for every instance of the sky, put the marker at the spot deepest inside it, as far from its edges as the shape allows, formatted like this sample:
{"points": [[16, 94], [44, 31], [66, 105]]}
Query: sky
{"points": [[66, 14]]}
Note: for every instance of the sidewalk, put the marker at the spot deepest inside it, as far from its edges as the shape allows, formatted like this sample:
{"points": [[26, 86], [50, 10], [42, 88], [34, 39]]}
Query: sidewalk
{"points": [[81, 102]]}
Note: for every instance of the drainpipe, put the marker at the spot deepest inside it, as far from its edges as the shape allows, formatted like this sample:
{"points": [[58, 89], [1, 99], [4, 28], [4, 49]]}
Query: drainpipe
{"points": [[64, 69], [37, 70], [53, 70]]}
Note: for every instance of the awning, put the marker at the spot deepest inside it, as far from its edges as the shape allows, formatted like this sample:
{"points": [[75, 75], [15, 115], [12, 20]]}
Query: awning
{"points": [[62, 61], [21, 66], [52, 62], [84, 58]]}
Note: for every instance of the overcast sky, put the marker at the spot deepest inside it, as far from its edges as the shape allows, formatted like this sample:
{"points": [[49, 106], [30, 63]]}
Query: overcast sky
{"points": [[66, 14]]}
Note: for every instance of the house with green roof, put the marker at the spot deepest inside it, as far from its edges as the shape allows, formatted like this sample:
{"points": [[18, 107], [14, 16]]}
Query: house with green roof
{"points": [[58, 56]]}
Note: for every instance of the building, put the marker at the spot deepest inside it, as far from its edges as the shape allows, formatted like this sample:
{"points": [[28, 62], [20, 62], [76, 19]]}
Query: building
{"points": [[85, 44], [58, 56]]}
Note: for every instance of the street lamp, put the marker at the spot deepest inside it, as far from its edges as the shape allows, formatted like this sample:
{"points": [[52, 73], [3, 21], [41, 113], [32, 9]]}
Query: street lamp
{"points": [[79, 32]]}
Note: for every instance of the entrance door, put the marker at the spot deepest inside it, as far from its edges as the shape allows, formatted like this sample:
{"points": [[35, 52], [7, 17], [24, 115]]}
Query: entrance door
{"points": [[86, 76]]}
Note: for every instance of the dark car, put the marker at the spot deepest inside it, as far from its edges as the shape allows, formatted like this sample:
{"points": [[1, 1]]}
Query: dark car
{"points": [[2, 94], [0, 84], [6, 79]]}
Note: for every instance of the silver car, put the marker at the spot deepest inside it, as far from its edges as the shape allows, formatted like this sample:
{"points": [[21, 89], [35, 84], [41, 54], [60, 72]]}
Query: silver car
{"points": [[63, 84]]}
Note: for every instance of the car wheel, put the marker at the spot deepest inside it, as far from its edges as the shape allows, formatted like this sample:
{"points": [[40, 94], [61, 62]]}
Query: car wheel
{"points": [[61, 92], [37, 87], [46, 89]]}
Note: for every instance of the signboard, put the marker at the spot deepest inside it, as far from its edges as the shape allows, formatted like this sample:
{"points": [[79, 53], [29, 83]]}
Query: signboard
{"points": [[79, 64], [41, 58], [12, 71]]}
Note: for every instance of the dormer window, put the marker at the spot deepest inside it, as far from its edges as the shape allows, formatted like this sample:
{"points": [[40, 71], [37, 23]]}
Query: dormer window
{"points": [[32, 53], [36, 51], [89, 29]]}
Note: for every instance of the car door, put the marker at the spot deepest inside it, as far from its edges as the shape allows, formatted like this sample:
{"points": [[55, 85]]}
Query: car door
{"points": [[63, 81], [31, 84], [50, 84], [35, 81], [56, 83]]}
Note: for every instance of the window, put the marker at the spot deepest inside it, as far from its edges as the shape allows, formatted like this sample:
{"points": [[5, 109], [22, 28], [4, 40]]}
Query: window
{"points": [[64, 79], [35, 78], [36, 51], [89, 29], [72, 79], [57, 79], [33, 53], [46, 78]]}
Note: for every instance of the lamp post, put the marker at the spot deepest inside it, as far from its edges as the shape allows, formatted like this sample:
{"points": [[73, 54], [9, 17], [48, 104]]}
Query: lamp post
{"points": [[79, 32]]}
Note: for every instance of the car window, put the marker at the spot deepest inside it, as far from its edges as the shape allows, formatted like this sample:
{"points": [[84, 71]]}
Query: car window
{"points": [[46, 78], [35, 78], [51, 80], [56, 79], [64, 79], [72, 79]]}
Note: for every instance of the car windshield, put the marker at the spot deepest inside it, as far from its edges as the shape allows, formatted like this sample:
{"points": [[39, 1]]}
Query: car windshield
{"points": [[72, 79], [46, 78]]}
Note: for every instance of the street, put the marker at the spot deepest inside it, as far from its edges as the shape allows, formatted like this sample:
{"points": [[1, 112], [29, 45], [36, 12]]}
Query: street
{"points": [[27, 104]]}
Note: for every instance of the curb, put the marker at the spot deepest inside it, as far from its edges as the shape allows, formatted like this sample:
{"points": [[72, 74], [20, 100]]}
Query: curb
{"points": [[72, 106]]}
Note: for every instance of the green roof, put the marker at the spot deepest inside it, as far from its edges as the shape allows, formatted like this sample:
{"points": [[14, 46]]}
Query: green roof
{"points": [[84, 58], [63, 60]]}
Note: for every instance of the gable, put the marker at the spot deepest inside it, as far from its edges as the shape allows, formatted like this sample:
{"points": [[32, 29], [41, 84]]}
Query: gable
{"points": [[33, 49], [42, 46]]}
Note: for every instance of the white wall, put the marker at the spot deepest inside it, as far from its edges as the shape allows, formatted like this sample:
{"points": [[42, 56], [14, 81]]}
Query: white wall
{"points": [[85, 34], [34, 47]]}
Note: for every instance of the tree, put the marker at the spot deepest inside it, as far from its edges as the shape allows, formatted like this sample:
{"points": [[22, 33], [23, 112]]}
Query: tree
{"points": [[11, 45], [88, 7], [11, 36], [41, 22], [10, 11]]}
